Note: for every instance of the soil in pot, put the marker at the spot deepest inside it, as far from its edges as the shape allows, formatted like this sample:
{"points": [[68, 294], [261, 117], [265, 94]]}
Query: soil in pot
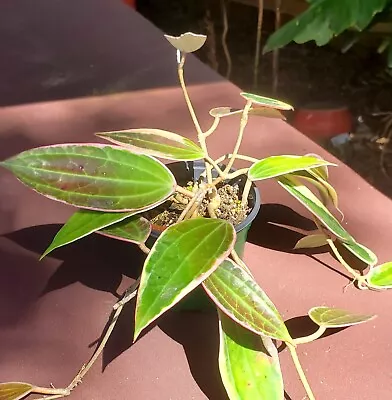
{"points": [[230, 209]]}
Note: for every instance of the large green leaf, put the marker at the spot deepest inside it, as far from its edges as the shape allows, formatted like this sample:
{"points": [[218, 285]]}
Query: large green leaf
{"points": [[314, 205], [274, 166], [336, 318], [156, 142], [134, 230], [14, 390], [238, 295], [248, 363], [182, 257], [267, 101], [362, 252], [81, 224], [94, 176], [381, 276], [325, 19]]}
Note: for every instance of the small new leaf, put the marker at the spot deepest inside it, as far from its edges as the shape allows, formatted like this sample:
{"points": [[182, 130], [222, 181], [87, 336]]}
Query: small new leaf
{"points": [[336, 318], [311, 241], [224, 111], [15, 390], [187, 42], [267, 102], [380, 277], [266, 112]]}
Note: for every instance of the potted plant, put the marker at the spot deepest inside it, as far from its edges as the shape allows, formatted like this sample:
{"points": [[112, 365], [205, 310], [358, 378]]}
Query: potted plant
{"points": [[200, 216]]}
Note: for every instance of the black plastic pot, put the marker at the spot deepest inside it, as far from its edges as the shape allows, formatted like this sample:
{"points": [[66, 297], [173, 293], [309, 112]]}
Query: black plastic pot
{"points": [[185, 171]]}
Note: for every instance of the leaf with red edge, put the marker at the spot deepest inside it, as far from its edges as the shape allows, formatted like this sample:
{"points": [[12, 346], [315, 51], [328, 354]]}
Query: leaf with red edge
{"points": [[136, 229], [182, 257], [94, 176], [156, 142], [239, 296]]}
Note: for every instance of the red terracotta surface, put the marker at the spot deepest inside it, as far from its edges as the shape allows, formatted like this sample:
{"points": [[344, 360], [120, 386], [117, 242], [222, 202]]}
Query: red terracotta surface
{"points": [[52, 311]]}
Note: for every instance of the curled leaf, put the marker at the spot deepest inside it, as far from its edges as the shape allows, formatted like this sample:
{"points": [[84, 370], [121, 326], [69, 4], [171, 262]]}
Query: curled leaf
{"points": [[336, 318], [187, 42], [380, 277], [15, 390], [306, 197], [267, 101], [224, 111]]}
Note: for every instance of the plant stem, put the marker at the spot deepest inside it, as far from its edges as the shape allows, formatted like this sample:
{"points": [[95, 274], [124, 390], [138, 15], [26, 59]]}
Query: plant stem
{"points": [[184, 191], [213, 127], [239, 156], [300, 371], [144, 248], [245, 192], [200, 135], [258, 43], [128, 295], [216, 166], [310, 338], [244, 121], [361, 279], [198, 197], [224, 37], [237, 259]]}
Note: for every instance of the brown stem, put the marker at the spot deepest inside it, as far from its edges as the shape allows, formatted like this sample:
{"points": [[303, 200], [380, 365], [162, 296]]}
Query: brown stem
{"points": [[258, 44], [275, 54], [244, 121], [196, 123], [184, 191]]}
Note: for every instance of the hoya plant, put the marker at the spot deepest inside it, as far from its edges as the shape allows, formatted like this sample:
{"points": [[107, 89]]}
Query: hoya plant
{"points": [[121, 190]]}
